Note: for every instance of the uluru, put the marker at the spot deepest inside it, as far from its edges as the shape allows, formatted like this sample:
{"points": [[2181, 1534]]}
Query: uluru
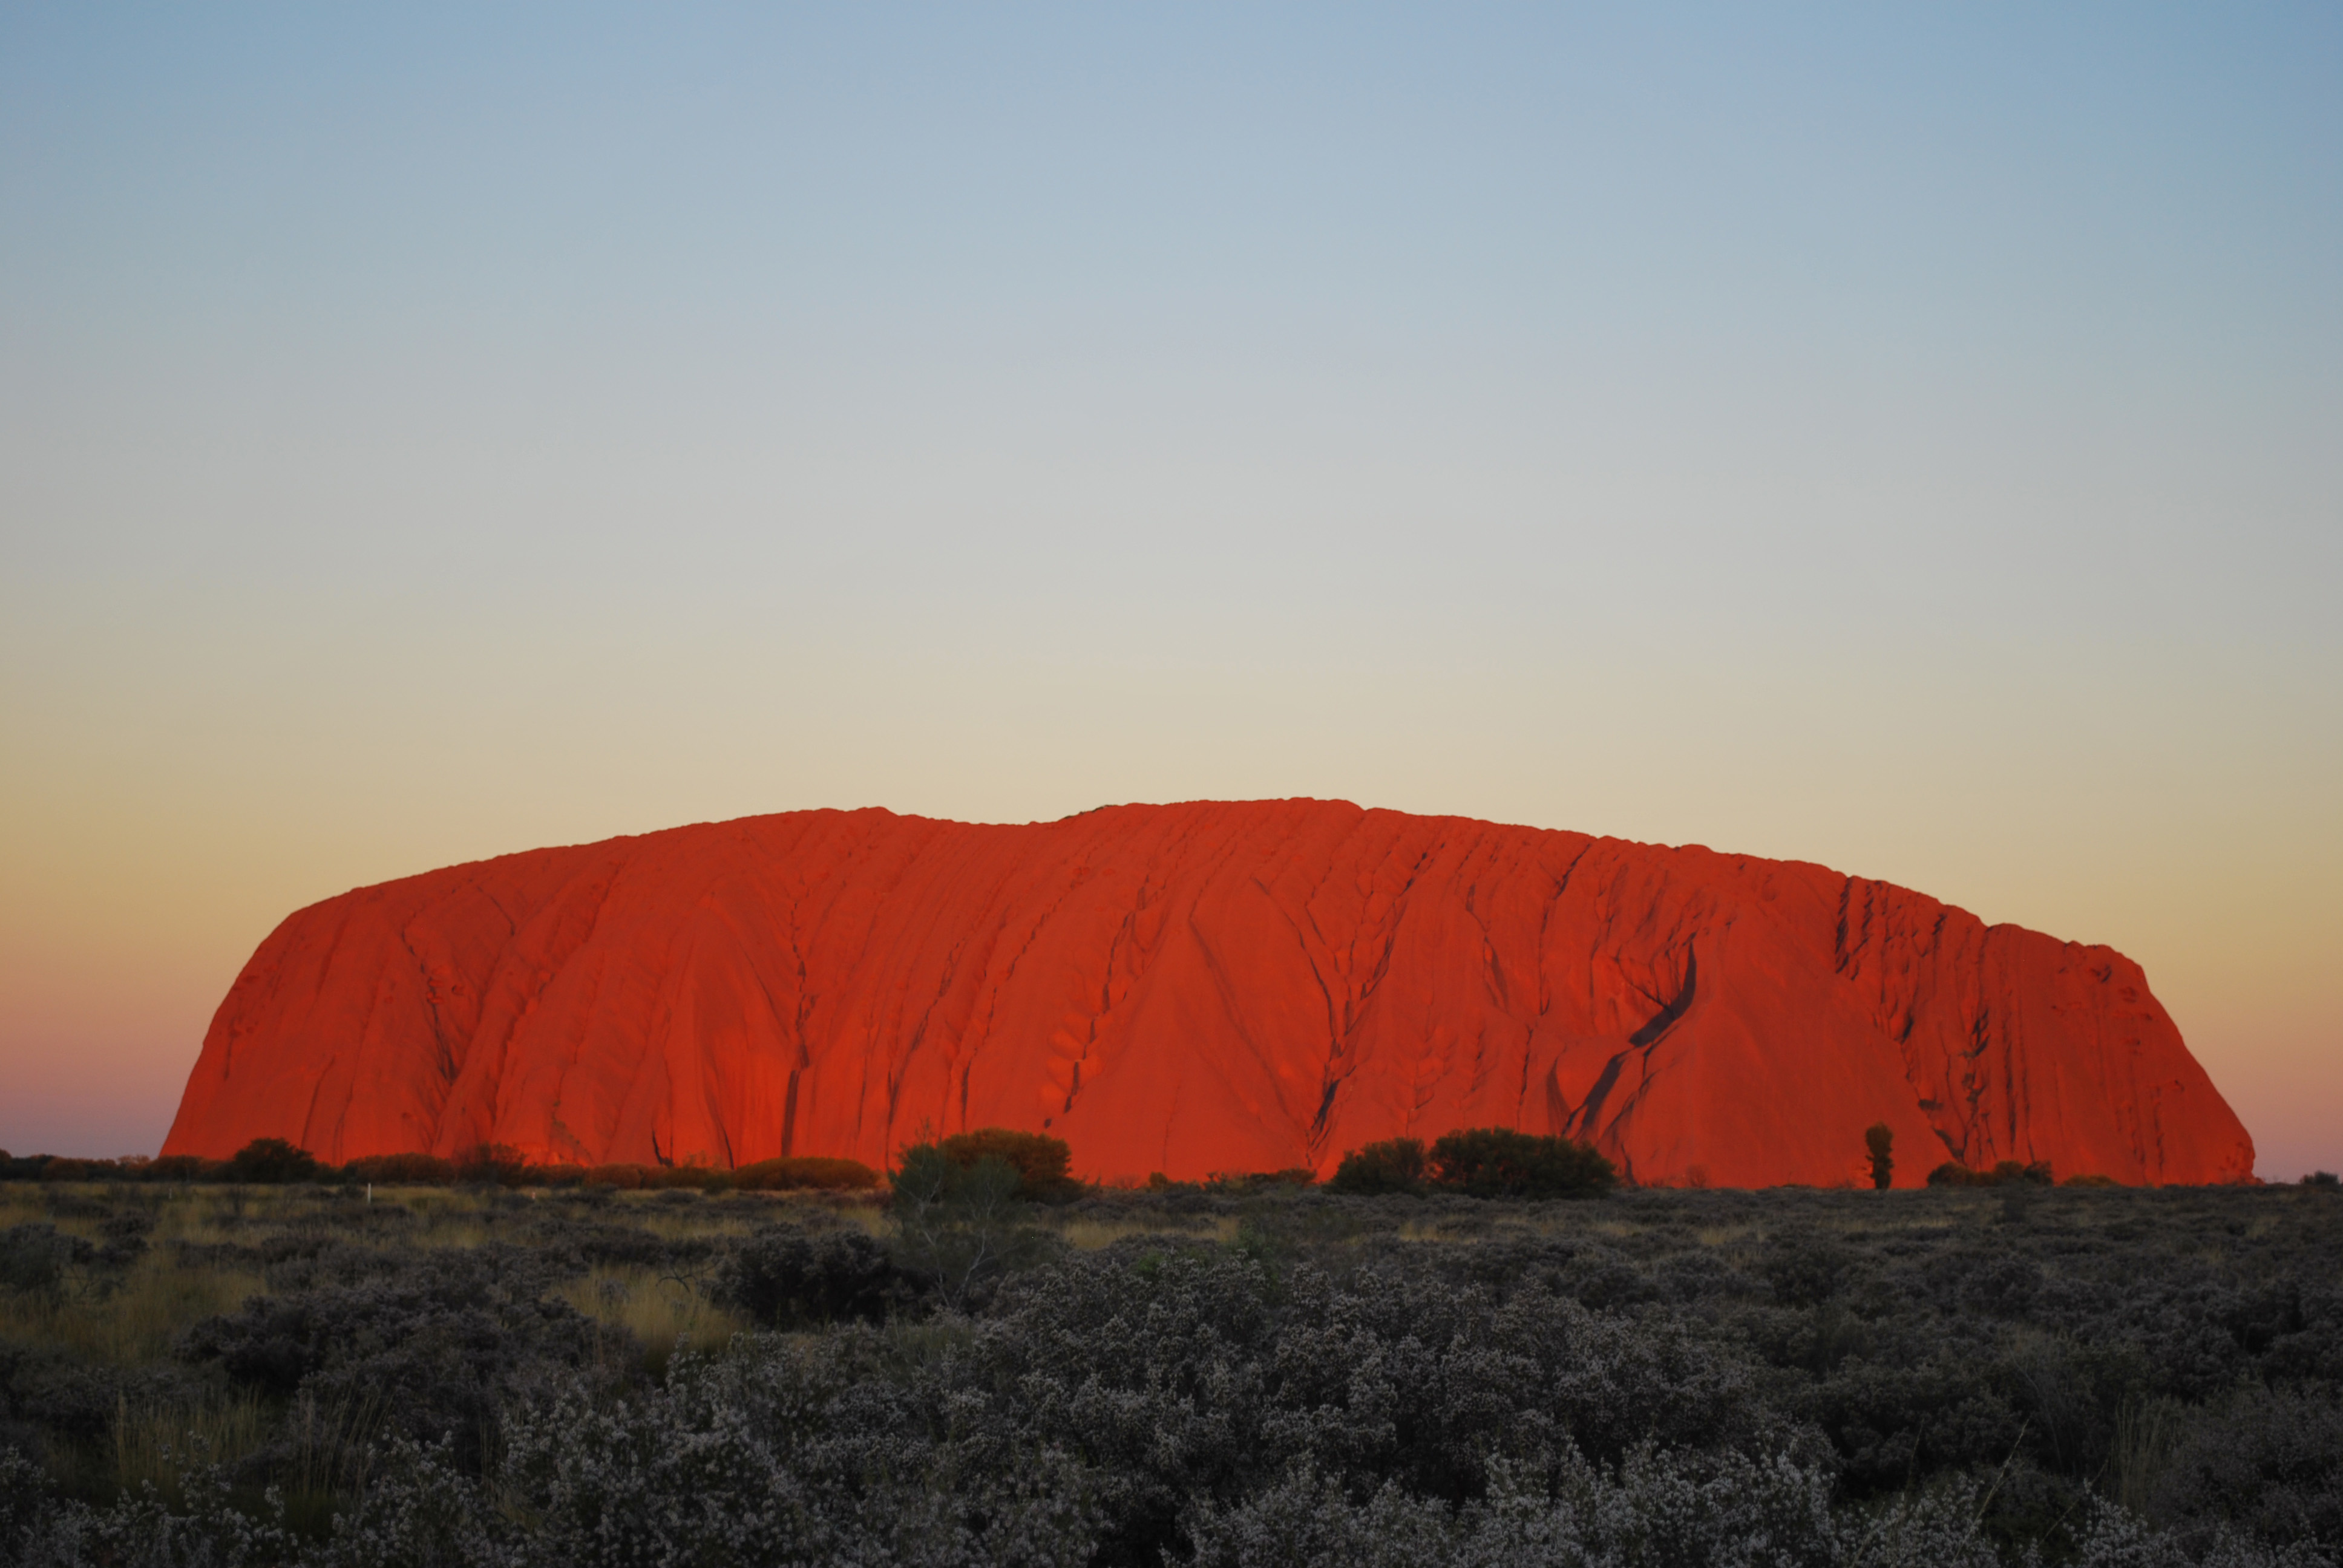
{"points": [[1193, 989]]}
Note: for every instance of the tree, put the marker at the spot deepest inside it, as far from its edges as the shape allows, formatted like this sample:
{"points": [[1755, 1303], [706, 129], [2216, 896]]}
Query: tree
{"points": [[492, 1165], [958, 1227], [1881, 1139], [273, 1161], [1041, 1162], [1500, 1163], [1394, 1165]]}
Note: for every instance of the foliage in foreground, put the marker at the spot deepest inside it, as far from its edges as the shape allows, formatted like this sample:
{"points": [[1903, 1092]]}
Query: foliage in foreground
{"points": [[1132, 1409], [1278, 1375]]}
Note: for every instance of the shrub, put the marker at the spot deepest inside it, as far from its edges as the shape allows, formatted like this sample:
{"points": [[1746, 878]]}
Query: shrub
{"points": [[2003, 1286], [60, 1169], [400, 1171], [271, 1161], [183, 1168], [1394, 1165], [816, 1171], [1041, 1162], [695, 1178], [628, 1178], [1499, 1163], [787, 1279], [1654, 1507], [492, 1165], [1808, 1270], [437, 1350], [2270, 1461], [2005, 1173], [1236, 1183], [125, 1238], [2322, 1179], [35, 1258], [776, 1455], [957, 1226]]}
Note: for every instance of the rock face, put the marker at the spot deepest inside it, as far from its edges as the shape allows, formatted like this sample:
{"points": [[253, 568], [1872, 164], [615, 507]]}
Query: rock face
{"points": [[1193, 989]]}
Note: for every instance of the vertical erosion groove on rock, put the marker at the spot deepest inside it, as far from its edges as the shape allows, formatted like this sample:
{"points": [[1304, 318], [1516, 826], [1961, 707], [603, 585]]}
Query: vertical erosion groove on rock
{"points": [[1191, 989]]}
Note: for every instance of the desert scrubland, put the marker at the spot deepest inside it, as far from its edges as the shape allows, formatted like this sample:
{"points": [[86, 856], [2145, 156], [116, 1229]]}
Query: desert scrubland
{"points": [[1240, 1372]]}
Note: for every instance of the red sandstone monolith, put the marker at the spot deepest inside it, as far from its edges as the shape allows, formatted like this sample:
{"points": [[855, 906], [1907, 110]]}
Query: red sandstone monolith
{"points": [[1193, 989]]}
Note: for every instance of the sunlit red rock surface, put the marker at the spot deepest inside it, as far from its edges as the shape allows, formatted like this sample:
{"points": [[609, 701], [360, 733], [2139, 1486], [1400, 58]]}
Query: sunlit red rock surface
{"points": [[1193, 989]]}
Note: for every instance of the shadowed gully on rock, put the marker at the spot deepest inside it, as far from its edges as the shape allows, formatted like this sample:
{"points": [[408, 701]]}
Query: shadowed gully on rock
{"points": [[1191, 989]]}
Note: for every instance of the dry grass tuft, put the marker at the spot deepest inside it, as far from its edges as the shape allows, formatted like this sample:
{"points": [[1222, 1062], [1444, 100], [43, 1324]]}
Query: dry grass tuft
{"points": [[2145, 1434], [132, 1325], [160, 1445], [662, 1314]]}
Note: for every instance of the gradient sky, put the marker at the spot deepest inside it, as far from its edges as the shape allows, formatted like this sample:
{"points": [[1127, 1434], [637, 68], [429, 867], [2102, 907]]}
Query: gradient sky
{"points": [[1908, 439]]}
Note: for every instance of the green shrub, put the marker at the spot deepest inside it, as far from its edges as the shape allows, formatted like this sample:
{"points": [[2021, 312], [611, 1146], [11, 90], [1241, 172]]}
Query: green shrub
{"points": [[62, 1169], [1500, 1163], [696, 1178], [706, 1178], [628, 1178], [400, 1171], [35, 1258], [1234, 1183], [2005, 1173], [819, 1171], [437, 1349], [492, 1165], [958, 1227], [786, 1278], [1394, 1165], [1043, 1163], [183, 1168], [272, 1160]]}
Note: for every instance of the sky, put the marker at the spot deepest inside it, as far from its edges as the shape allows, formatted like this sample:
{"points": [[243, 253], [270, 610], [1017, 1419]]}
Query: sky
{"points": [[1907, 438]]}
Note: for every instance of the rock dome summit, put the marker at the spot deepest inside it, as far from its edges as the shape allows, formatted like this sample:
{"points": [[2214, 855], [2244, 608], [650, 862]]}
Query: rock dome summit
{"points": [[1193, 989]]}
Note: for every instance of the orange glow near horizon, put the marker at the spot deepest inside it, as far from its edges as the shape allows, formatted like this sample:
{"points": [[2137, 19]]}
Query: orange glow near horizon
{"points": [[127, 919]]}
